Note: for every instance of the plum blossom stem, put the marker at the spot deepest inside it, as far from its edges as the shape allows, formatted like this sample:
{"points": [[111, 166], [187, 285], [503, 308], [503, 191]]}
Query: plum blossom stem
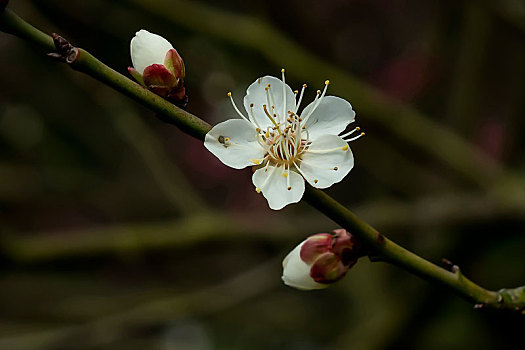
{"points": [[83, 61]]}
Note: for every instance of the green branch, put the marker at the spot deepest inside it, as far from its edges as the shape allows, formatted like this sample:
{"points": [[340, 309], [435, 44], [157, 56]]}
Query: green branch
{"points": [[81, 60]]}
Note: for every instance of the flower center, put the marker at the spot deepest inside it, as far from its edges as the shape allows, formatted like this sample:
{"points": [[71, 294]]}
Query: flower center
{"points": [[284, 149]]}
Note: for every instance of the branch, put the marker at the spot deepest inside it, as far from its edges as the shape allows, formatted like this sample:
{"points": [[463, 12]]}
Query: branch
{"points": [[83, 61]]}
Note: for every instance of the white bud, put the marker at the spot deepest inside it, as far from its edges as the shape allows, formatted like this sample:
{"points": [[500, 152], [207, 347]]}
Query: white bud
{"points": [[296, 273], [147, 48]]}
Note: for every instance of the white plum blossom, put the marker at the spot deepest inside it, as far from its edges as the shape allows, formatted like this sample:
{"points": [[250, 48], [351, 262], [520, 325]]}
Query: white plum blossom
{"points": [[288, 147]]}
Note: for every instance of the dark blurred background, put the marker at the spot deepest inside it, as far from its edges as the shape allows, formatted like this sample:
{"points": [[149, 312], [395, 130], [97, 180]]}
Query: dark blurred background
{"points": [[120, 232]]}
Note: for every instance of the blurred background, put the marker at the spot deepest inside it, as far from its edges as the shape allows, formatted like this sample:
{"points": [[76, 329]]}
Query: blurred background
{"points": [[117, 231]]}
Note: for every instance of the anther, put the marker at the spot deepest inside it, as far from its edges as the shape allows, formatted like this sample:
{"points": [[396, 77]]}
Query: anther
{"points": [[284, 174], [336, 168], [257, 189], [327, 82], [282, 70], [289, 188], [251, 105], [229, 94], [319, 92], [357, 128], [226, 139], [345, 148], [316, 181], [296, 92], [304, 85]]}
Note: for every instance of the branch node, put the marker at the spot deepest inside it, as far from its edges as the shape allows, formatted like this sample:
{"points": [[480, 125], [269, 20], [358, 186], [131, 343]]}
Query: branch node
{"points": [[66, 52]]}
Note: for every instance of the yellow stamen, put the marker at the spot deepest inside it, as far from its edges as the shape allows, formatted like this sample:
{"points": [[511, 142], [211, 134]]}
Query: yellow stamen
{"points": [[271, 118]]}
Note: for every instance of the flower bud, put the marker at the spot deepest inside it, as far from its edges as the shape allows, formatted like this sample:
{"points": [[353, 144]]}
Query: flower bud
{"points": [[320, 260], [158, 66]]}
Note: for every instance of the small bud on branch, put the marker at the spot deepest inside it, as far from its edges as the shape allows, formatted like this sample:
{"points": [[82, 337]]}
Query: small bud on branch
{"points": [[158, 67], [321, 259], [66, 52]]}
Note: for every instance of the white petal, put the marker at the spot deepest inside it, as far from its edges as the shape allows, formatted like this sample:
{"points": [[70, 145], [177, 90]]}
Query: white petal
{"points": [[256, 94], [274, 186], [242, 148], [296, 273], [317, 164], [331, 116], [147, 49]]}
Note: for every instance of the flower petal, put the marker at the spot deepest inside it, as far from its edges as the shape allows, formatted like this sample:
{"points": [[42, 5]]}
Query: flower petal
{"points": [[175, 64], [136, 75], [314, 246], [147, 49], [158, 75], [328, 160], [235, 143], [331, 116], [328, 268], [256, 94], [296, 273], [274, 186]]}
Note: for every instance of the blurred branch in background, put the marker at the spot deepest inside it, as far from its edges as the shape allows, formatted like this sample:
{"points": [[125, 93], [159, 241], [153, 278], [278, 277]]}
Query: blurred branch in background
{"points": [[465, 94], [138, 135], [512, 11], [133, 239], [109, 328], [443, 212]]}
